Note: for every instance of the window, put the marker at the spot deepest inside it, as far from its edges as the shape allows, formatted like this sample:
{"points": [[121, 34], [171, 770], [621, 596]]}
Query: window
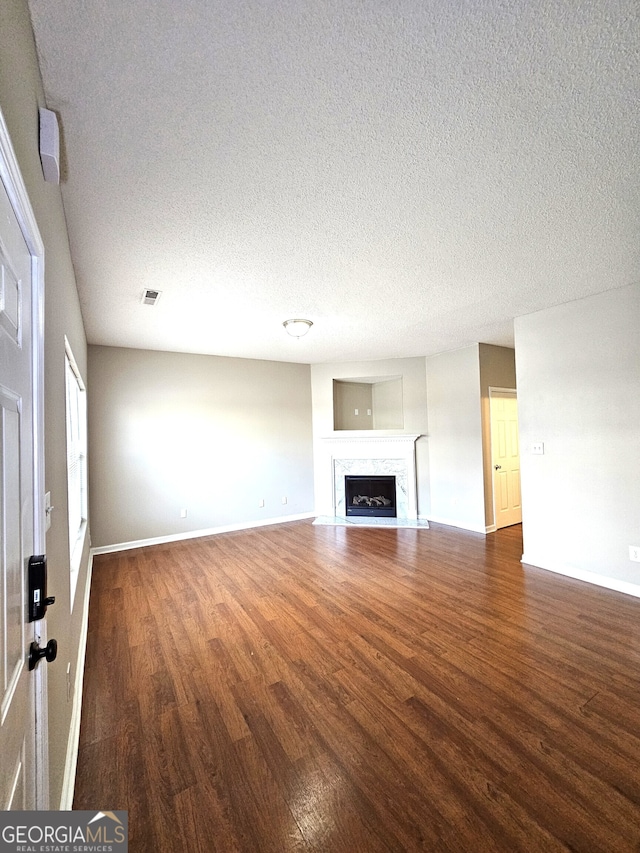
{"points": [[76, 410]]}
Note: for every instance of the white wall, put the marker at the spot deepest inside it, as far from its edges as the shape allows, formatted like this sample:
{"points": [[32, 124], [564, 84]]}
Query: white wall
{"points": [[212, 435], [455, 439], [578, 368], [414, 396]]}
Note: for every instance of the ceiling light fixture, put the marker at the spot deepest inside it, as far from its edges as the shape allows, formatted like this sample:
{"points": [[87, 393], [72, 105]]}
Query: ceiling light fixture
{"points": [[297, 328]]}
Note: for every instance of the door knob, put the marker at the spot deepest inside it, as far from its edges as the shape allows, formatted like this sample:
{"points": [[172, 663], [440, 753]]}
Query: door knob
{"points": [[497, 467], [50, 652]]}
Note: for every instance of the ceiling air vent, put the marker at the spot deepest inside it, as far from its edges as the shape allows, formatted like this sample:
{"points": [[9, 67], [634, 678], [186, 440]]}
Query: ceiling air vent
{"points": [[150, 297]]}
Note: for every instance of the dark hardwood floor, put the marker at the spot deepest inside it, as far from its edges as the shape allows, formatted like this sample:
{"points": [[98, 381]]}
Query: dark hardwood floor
{"points": [[301, 688]]}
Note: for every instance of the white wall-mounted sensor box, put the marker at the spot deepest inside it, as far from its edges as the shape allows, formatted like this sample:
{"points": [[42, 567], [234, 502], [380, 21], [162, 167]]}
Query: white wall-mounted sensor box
{"points": [[49, 145]]}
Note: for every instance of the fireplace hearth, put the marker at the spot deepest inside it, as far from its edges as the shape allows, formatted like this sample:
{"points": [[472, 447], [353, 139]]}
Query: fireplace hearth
{"points": [[373, 496]]}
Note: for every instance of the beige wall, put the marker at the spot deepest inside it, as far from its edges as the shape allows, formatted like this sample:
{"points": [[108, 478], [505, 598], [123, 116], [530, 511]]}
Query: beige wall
{"points": [[349, 398], [387, 405], [455, 439], [578, 369], [212, 435], [20, 96]]}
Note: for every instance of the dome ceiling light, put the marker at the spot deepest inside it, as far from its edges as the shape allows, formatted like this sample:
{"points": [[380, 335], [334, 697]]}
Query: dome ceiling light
{"points": [[297, 328]]}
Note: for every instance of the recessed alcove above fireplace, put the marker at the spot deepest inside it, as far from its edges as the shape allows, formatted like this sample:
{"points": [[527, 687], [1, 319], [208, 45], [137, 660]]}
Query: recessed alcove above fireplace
{"points": [[371, 403]]}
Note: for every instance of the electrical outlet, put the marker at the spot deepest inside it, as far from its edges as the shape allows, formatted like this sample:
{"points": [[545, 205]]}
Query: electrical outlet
{"points": [[284, 500], [634, 553], [183, 513], [261, 502]]}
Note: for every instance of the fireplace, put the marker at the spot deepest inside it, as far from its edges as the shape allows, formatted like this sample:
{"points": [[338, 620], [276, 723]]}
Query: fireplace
{"points": [[370, 495], [366, 456]]}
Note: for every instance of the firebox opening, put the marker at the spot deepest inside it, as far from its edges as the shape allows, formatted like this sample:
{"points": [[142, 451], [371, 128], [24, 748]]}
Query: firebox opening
{"points": [[370, 495]]}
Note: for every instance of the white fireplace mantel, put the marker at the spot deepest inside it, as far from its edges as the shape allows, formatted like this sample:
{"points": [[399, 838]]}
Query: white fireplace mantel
{"points": [[372, 454]]}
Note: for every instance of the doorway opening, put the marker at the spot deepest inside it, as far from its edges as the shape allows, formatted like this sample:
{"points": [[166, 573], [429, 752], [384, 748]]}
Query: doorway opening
{"points": [[505, 457]]}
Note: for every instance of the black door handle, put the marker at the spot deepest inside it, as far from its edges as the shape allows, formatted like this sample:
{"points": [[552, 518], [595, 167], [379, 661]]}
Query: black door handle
{"points": [[50, 652]]}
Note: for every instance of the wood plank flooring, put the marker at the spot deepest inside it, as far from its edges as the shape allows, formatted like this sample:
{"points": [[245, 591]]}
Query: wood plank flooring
{"points": [[301, 688]]}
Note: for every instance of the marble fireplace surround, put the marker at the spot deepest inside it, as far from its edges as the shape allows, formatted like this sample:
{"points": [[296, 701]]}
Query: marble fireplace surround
{"points": [[385, 454]]}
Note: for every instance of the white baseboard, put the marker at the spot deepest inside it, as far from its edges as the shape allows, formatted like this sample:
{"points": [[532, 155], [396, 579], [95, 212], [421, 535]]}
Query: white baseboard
{"points": [[490, 528], [71, 761], [582, 575], [450, 522], [196, 534]]}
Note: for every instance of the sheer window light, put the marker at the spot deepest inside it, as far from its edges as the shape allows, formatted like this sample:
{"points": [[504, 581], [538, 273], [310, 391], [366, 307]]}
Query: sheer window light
{"points": [[76, 411]]}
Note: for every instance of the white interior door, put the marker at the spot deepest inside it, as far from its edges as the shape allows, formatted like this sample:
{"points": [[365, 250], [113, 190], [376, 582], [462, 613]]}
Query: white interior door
{"points": [[17, 714], [23, 694], [505, 458]]}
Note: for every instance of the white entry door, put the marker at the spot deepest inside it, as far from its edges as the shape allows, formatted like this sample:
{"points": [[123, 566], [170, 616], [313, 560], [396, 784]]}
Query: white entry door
{"points": [[505, 457], [19, 510]]}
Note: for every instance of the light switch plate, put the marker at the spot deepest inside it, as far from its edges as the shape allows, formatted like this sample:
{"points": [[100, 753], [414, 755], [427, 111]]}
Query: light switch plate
{"points": [[537, 448]]}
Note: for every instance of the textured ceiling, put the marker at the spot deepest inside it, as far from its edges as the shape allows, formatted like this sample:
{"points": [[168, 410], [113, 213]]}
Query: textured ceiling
{"points": [[409, 175]]}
